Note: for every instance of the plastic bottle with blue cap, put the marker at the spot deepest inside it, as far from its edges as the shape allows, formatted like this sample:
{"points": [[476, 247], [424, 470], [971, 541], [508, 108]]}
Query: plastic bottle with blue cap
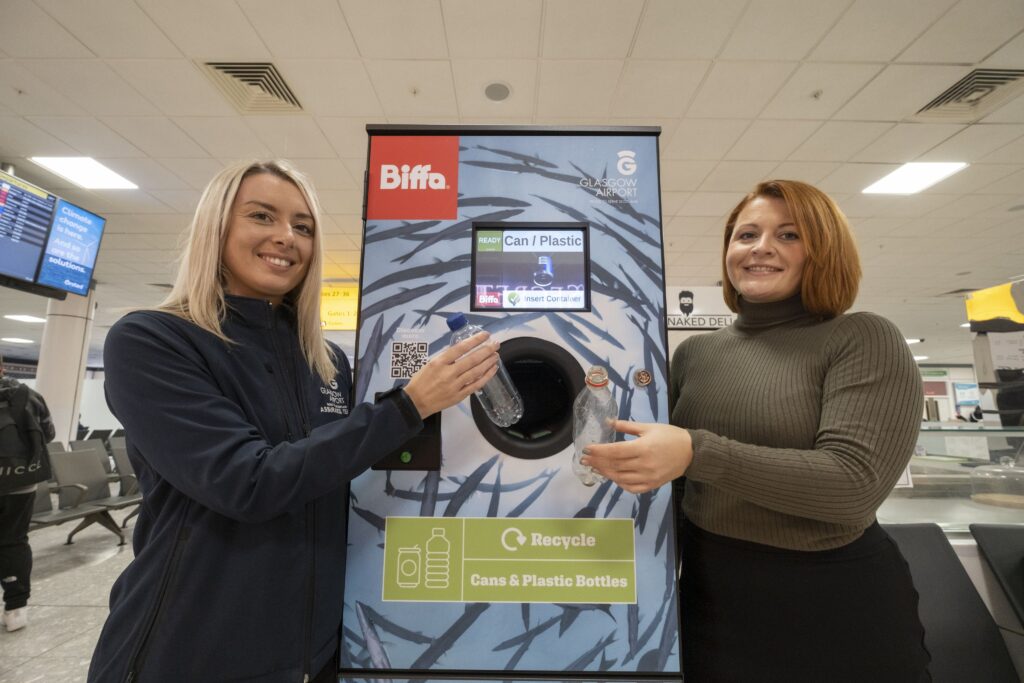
{"points": [[499, 397]]}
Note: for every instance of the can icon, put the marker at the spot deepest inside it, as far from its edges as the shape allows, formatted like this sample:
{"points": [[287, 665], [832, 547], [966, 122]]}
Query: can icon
{"points": [[409, 567]]}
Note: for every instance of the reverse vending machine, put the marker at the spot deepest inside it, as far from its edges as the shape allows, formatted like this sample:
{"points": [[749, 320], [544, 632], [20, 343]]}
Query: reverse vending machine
{"points": [[474, 551]]}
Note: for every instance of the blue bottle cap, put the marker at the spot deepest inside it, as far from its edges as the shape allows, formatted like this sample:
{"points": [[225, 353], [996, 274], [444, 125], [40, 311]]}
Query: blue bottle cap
{"points": [[456, 321]]}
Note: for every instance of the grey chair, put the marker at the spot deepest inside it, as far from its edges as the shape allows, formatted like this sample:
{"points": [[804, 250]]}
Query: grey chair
{"points": [[94, 445], [45, 515], [129, 482], [84, 469]]}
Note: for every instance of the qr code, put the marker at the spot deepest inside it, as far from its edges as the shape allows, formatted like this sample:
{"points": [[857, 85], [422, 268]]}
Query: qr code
{"points": [[407, 358]]}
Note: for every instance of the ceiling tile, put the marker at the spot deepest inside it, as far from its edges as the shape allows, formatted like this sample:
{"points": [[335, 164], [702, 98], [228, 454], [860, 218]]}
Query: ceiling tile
{"points": [[175, 86], [794, 27], [839, 141], [907, 141], [492, 29], [329, 174], [27, 31], [737, 176], [291, 137], [668, 29], [331, 87], [573, 87], [414, 88], [1010, 56], [590, 29], [710, 204], [900, 91], [146, 173], [196, 172], [23, 139], [24, 93], [684, 176], [155, 135], [1010, 153], [112, 28], [472, 76], [772, 140], [878, 30], [817, 90], [207, 31], [311, 29], [974, 178], [739, 89], [1011, 112], [93, 85], [223, 136], [810, 172], [88, 136], [347, 135], [184, 201], [975, 142], [1010, 184], [397, 29], [657, 88], [967, 33], [855, 177], [341, 201], [704, 138]]}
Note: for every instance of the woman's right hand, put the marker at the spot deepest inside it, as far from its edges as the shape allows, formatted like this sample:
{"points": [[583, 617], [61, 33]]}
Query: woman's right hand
{"points": [[453, 374]]}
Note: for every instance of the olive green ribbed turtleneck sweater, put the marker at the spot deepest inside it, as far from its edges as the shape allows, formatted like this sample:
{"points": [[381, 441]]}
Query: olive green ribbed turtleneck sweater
{"points": [[800, 426]]}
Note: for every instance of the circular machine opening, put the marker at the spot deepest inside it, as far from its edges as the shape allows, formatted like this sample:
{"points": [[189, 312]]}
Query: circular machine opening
{"points": [[548, 378]]}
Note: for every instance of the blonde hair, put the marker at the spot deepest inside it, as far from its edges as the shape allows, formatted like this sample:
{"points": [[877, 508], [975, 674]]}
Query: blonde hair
{"points": [[831, 273], [198, 292]]}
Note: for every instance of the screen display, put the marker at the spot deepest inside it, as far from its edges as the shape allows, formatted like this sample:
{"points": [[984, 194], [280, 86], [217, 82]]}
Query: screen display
{"points": [[531, 267], [70, 254], [25, 215]]}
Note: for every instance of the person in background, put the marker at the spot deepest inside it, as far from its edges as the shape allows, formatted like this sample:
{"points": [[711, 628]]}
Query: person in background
{"points": [[15, 514], [241, 430], [977, 415], [788, 430]]}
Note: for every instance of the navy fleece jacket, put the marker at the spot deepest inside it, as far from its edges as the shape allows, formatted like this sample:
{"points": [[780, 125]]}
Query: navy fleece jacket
{"points": [[244, 456]]}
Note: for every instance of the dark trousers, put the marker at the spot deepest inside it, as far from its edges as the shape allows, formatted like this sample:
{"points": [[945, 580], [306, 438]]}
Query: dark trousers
{"points": [[15, 552]]}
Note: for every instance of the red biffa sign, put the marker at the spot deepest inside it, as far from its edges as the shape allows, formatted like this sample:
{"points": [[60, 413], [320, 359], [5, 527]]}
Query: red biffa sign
{"points": [[413, 177]]}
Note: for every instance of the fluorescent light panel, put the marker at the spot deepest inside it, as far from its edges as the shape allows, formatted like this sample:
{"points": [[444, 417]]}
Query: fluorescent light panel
{"points": [[85, 172], [912, 178], [16, 340], [914, 341], [25, 318], [920, 358]]}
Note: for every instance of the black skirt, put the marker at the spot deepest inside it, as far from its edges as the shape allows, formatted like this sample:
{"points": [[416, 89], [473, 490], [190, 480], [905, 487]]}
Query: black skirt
{"points": [[753, 612]]}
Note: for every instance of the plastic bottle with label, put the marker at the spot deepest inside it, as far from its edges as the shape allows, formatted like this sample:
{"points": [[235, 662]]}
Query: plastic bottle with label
{"points": [[499, 397], [594, 415]]}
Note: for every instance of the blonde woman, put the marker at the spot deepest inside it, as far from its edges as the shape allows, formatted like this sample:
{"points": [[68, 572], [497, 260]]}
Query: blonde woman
{"points": [[791, 427], [240, 430]]}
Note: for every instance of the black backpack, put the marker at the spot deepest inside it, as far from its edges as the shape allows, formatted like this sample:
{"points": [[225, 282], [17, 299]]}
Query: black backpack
{"points": [[23, 457]]}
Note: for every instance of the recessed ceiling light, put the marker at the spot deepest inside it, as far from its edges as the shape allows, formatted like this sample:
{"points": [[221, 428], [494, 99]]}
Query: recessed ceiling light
{"points": [[85, 172], [496, 92], [912, 178], [914, 341], [920, 358], [16, 340], [26, 318], [965, 324]]}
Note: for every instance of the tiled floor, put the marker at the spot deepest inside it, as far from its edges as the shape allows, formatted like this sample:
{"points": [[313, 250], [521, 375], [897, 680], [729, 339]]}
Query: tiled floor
{"points": [[70, 586]]}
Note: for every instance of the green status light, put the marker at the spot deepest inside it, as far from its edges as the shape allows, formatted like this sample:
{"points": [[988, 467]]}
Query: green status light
{"points": [[405, 457]]}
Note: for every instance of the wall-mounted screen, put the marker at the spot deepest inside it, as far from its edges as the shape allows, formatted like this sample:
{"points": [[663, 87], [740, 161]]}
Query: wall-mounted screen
{"points": [[70, 254], [25, 215], [530, 267]]}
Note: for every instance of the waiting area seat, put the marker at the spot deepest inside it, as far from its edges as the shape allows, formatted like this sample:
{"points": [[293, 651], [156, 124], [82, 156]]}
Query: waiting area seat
{"points": [[84, 468], [126, 473], [44, 514], [963, 639]]}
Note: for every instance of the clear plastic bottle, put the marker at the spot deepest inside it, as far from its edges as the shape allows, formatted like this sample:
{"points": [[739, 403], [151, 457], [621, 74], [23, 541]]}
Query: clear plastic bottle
{"points": [[594, 414], [499, 397], [438, 559]]}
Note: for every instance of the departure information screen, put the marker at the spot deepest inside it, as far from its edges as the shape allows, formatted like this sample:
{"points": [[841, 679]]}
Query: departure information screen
{"points": [[531, 267], [25, 215]]}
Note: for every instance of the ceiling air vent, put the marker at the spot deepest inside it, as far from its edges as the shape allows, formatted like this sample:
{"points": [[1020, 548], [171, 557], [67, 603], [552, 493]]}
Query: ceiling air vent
{"points": [[253, 87], [974, 96]]}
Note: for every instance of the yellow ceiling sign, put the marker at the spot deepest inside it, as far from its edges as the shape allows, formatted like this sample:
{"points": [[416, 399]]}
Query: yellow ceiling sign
{"points": [[1004, 301], [339, 306]]}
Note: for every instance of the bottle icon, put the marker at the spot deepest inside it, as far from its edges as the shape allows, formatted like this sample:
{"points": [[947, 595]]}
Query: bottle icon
{"points": [[594, 413], [438, 565], [544, 275], [499, 397]]}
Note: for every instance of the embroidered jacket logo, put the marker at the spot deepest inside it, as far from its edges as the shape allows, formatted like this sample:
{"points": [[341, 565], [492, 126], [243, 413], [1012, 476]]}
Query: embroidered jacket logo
{"points": [[418, 177], [413, 177]]}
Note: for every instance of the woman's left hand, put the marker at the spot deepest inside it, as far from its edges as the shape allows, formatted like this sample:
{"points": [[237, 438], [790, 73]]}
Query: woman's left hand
{"points": [[660, 454]]}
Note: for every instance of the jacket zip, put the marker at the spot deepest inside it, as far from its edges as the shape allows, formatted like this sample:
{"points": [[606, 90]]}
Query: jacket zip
{"points": [[310, 510], [139, 655]]}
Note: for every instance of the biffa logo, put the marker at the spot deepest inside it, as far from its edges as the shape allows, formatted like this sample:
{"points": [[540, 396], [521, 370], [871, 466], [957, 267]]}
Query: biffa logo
{"points": [[413, 177]]}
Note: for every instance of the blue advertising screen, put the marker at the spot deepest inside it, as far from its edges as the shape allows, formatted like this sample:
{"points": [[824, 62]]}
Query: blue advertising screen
{"points": [[70, 254], [25, 215]]}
